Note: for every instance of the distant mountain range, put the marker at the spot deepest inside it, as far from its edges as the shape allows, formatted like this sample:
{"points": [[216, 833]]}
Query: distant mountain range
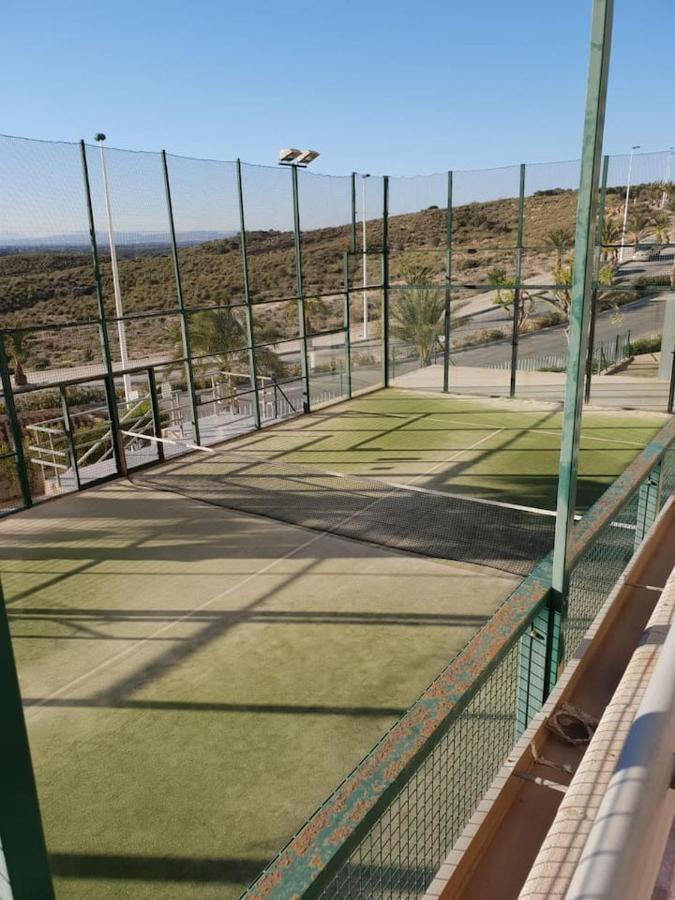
{"points": [[79, 240]]}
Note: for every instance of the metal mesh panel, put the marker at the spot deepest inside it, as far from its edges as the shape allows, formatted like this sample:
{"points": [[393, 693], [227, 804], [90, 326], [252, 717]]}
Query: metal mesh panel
{"points": [[206, 216], [45, 263], [369, 206], [268, 203], [418, 220], [325, 222], [550, 206], [596, 573], [327, 359], [48, 355], [140, 230], [401, 853]]}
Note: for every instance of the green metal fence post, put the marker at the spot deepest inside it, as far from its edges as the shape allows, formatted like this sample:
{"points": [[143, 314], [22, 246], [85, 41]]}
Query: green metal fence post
{"points": [[302, 320], [649, 503], [448, 288], [347, 321], [156, 415], [14, 426], [109, 376], [353, 201], [594, 296], [21, 834], [582, 280], [385, 280], [65, 409], [250, 336], [182, 312], [516, 285]]}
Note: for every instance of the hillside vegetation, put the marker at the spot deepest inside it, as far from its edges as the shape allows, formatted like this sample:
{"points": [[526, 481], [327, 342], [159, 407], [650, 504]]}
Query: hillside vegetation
{"points": [[43, 288]]}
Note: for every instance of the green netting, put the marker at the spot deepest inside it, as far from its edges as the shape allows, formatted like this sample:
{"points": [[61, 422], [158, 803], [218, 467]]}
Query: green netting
{"points": [[206, 216], [401, 853], [45, 263], [326, 230], [141, 234], [268, 205]]}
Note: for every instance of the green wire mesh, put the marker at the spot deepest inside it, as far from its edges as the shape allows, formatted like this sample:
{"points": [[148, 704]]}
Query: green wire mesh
{"points": [[401, 852]]}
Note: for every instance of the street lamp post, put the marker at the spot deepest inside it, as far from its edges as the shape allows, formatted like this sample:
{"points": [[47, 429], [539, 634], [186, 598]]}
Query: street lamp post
{"points": [[666, 180], [625, 208], [365, 260], [121, 331]]}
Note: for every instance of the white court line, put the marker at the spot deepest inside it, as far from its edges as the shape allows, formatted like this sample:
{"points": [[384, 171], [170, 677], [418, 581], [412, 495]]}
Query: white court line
{"points": [[414, 417], [149, 437], [34, 710]]}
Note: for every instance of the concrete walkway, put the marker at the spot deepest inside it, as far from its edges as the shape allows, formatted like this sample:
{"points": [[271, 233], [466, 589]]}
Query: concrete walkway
{"points": [[616, 391]]}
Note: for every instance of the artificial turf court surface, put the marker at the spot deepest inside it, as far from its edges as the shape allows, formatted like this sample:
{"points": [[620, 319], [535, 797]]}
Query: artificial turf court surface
{"points": [[197, 680]]}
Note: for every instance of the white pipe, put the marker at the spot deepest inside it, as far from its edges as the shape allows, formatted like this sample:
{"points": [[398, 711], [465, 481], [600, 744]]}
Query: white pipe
{"points": [[625, 208], [121, 331], [613, 864], [666, 180], [365, 262]]}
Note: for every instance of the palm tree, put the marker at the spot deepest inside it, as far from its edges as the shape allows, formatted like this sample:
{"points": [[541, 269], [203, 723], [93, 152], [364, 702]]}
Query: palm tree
{"points": [[638, 225], [662, 228], [560, 240], [219, 336], [17, 352], [416, 313], [506, 298], [611, 236]]}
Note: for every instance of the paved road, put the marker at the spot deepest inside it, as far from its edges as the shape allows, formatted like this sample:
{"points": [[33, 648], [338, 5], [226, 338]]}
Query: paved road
{"points": [[642, 318]]}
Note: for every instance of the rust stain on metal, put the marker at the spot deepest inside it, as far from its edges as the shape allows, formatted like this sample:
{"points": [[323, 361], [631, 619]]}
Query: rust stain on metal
{"points": [[350, 805]]}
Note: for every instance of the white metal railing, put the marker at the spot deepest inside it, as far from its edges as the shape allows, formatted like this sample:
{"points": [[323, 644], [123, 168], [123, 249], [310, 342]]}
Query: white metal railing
{"points": [[636, 812]]}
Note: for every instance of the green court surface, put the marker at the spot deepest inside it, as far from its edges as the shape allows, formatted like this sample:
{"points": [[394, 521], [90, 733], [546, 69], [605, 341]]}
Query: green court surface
{"points": [[500, 450], [198, 679]]}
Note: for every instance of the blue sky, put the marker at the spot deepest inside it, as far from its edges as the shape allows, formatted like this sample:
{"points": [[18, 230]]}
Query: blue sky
{"points": [[396, 87]]}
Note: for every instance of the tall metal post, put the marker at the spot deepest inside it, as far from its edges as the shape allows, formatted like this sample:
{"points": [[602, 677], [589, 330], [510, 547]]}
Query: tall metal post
{"points": [[114, 269], [597, 265], [109, 376], [448, 289], [21, 834], [14, 426], [353, 201], [347, 323], [156, 413], [582, 278], [385, 280], [182, 313], [300, 288], [250, 334], [517, 281]]}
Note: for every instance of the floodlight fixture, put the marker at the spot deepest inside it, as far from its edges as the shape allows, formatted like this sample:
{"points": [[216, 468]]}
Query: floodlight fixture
{"points": [[99, 137], [306, 157], [288, 156], [293, 157]]}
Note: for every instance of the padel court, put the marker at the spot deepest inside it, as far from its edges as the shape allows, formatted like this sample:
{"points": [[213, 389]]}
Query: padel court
{"points": [[208, 648]]}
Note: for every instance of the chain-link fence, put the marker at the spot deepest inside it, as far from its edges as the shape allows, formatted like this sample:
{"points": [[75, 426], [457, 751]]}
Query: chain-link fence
{"points": [[225, 296]]}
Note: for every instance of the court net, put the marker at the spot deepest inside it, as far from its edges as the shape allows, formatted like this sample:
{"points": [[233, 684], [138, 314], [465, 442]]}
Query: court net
{"points": [[430, 523]]}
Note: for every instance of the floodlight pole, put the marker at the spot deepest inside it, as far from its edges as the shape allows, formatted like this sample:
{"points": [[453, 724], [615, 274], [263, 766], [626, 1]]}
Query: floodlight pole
{"points": [[582, 285], [625, 208], [121, 331], [448, 288], [666, 180], [365, 259]]}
